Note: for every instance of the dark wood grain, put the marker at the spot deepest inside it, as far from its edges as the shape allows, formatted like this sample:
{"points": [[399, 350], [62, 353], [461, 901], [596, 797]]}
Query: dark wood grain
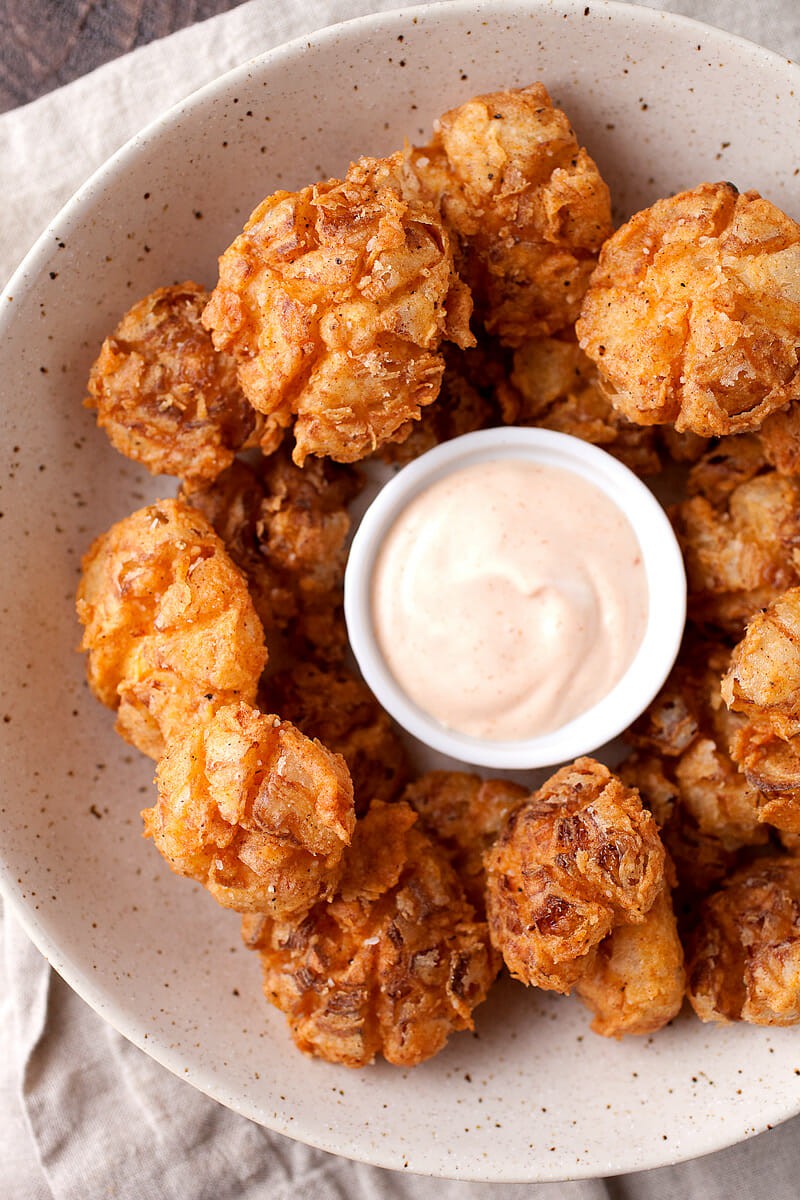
{"points": [[45, 43]]}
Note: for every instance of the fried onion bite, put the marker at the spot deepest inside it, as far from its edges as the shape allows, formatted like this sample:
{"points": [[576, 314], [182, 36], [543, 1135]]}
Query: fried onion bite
{"points": [[526, 203], [635, 981], [464, 814], [392, 965], [706, 810], [693, 313], [287, 528], [334, 301], [254, 810], [166, 398], [742, 552], [763, 683], [170, 629], [579, 857], [340, 710], [555, 387], [470, 399], [744, 956]]}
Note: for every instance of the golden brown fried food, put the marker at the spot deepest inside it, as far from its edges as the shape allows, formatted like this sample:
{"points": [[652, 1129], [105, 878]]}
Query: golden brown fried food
{"points": [[576, 859], [393, 965], [464, 814], [693, 314], [706, 809], [700, 858], [334, 301], [779, 437], [743, 553], [527, 204], [635, 982], [557, 388], [341, 711], [763, 683], [763, 680], [166, 398], [743, 961], [772, 766], [287, 528], [171, 630], [469, 399], [681, 447], [728, 463], [253, 810]]}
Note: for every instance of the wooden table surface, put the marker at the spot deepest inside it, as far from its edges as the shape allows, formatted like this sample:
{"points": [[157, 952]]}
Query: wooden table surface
{"points": [[45, 43]]}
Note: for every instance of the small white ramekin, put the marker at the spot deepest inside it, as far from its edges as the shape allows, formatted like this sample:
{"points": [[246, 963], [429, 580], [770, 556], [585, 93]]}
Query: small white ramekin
{"points": [[663, 566]]}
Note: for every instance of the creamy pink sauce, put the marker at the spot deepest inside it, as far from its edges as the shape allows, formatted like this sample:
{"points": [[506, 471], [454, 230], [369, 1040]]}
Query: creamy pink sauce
{"points": [[508, 598]]}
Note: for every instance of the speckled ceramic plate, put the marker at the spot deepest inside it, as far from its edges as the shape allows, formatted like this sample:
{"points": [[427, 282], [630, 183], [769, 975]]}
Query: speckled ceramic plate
{"points": [[662, 103]]}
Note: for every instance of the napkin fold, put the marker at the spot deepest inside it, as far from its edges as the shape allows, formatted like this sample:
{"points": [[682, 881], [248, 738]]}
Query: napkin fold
{"points": [[84, 1113]]}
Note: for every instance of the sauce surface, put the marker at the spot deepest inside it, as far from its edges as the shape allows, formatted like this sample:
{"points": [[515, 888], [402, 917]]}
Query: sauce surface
{"points": [[508, 598]]}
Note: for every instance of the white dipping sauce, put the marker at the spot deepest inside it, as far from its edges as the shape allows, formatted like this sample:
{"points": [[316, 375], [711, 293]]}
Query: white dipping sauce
{"points": [[508, 598]]}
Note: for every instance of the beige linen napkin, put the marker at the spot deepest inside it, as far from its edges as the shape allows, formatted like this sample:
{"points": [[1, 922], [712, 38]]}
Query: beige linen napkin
{"points": [[83, 1113]]}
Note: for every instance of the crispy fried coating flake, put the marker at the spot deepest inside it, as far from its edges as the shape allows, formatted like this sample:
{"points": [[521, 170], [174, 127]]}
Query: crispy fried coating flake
{"points": [[254, 810], [341, 711], [334, 301], [393, 965], [557, 388], [464, 813], [693, 313], [763, 680], [779, 437], [576, 859], [527, 204], [742, 553], [166, 398], [681, 447], [286, 527], [743, 960], [763, 683], [469, 399], [700, 858], [706, 809], [635, 982], [728, 462], [170, 628]]}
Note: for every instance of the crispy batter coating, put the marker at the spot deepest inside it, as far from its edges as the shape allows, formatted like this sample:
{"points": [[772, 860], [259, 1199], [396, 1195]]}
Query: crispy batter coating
{"points": [[254, 810], [286, 527], [780, 440], [693, 314], [171, 630], [342, 712], [681, 447], [701, 860], [576, 859], [334, 301], [393, 965], [743, 553], [635, 982], [728, 462], [706, 809], [743, 961], [469, 399], [166, 398], [527, 204], [557, 388], [464, 813], [763, 682]]}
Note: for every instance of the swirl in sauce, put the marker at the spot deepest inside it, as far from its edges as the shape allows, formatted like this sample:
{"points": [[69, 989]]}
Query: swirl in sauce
{"points": [[509, 598]]}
